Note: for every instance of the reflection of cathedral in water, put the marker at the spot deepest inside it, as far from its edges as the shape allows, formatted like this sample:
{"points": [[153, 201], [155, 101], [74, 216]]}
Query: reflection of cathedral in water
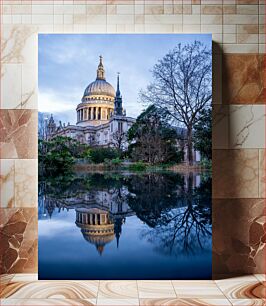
{"points": [[99, 214], [98, 227]]}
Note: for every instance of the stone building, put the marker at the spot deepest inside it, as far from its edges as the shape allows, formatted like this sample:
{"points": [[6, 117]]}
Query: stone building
{"points": [[101, 118]]}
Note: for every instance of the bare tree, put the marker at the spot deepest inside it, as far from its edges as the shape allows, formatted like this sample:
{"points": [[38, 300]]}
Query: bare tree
{"points": [[119, 140], [182, 85], [42, 125]]}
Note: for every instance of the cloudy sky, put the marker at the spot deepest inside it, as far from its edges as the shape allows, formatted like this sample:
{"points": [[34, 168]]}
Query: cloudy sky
{"points": [[68, 63]]}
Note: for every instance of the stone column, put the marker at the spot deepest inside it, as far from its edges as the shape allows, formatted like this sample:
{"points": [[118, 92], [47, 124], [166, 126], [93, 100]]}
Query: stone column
{"points": [[96, 114]]}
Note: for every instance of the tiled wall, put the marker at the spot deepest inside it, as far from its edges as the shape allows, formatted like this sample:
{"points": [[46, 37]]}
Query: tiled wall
{"points": [[238, 28]]}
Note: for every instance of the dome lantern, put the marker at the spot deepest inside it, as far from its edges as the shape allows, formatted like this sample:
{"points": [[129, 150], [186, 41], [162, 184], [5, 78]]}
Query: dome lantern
{"points": [[100, 86], [100, 70]]}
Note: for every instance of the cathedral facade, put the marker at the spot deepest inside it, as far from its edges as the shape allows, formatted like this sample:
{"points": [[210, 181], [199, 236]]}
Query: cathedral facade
{"points": [[101, 118]]}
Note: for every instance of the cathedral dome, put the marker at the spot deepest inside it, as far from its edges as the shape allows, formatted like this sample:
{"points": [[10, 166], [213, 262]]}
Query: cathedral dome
{"points": [[99, 87]]}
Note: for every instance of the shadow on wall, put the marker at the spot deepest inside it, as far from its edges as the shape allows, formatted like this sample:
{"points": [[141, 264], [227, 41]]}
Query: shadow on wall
{"points": [[238, 208]]}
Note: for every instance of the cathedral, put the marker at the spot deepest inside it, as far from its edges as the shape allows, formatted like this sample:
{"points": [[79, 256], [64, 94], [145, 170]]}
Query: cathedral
{"points": [[101, 118]]}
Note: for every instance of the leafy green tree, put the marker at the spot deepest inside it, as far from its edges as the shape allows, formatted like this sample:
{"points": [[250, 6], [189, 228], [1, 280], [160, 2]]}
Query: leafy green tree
{"points": [[99, 155], [55, 156], [202, 136], [152, 139]]}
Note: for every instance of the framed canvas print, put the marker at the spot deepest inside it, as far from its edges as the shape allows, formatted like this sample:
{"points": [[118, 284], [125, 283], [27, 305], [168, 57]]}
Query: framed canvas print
{"points": [[125, 156]]}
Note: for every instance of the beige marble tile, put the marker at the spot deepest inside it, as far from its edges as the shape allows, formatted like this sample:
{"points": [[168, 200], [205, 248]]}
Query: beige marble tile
{"points": [[229, 38], [197, 289], [211, 19], [260, 277], [117, 302], [156, 289], [262, 171], [42, 19], [243, 78], [19, 241], [220, 126], [25, 277], [248, 29], [26, 183], [120, 19], [237, 242], [195, 9], [7, 182], [11, 86], [247, 126], [4, 280], [191, 28], [18, 129], [217, 28], [240, 19], [163, 19], [51, 290], [248, 302], [211, 9], [184, 302], [240, 48], [229, 9], [245, 287], [19, 44], [79, 9], [153, 9], [235, 173], [158, 28], [29, 85], [168, 9], [48, 302], [229, 28], [247, 9], [96, 10], [118, 290], [43, 9], [191, 19], [178, 9], [247, 38]]}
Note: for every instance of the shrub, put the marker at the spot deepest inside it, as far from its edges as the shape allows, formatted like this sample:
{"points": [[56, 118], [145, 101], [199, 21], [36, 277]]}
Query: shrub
{"points": [[139, 166], [206, 163], [116, 161], [99, 155]]}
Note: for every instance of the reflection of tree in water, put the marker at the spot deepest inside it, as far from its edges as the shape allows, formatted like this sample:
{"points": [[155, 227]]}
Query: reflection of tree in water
{"points": [[177, 213], [180, 217], [151, 194], [72, 185]]}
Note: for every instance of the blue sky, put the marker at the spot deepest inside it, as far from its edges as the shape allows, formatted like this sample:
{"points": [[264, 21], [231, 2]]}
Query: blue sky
{"points": [[68, 63]]}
